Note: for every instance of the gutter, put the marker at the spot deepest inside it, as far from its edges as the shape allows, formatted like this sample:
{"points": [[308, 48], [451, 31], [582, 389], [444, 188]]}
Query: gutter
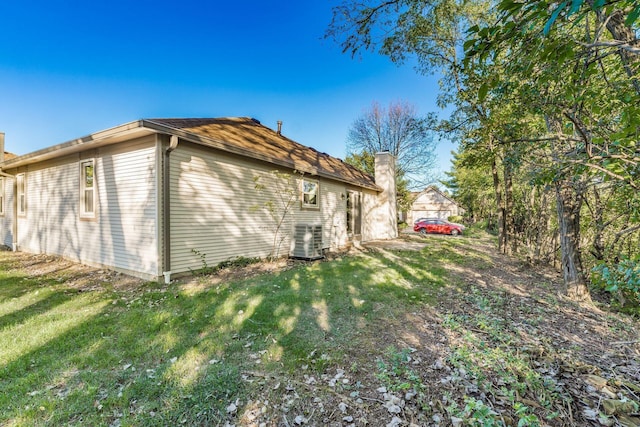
{"points": [[166, 208], [144, 127], [95, 140]]}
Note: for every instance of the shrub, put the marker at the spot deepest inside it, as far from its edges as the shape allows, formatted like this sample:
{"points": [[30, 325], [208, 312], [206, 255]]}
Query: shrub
{"points": [[206, 269], [455, 218], [237, 262], [622, 279]]}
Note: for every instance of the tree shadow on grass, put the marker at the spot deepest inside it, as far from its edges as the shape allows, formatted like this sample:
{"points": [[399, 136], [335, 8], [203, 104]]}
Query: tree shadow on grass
{"points": [[160, 355]]}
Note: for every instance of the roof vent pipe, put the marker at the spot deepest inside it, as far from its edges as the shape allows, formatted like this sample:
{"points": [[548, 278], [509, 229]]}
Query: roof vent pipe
{"points": [[173, 143], [279, 127]]}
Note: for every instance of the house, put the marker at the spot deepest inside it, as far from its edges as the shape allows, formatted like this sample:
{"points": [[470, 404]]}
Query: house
{"points": [[433, 203], [152, 197]]}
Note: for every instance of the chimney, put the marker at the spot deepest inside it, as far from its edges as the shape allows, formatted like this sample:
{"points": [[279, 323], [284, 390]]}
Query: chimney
{"points": [[279, 127], [1, 147], [386, 215]]}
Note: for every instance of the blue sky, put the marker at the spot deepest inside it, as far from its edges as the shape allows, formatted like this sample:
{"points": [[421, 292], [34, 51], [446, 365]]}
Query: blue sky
{"points": [[69, 68]]}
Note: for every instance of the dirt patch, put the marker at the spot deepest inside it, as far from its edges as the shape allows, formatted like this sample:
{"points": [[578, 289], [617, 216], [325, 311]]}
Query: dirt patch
{"points": [[400, 244], [587, 356], [74, 275]]}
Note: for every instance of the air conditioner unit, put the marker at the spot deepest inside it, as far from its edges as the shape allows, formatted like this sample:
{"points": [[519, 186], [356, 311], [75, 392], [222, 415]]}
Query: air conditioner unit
{"points": [[307, 242]]}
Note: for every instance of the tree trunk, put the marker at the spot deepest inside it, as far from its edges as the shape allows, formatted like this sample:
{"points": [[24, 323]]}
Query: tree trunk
{"points": [[542, 223], [497, 187], [598, 247], [511, 243], [620, 31], [568, 202]]}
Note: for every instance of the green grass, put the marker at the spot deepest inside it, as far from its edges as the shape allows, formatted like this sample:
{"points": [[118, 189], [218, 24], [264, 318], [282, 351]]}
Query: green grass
{"points": [[165, 355], [180, 354]]}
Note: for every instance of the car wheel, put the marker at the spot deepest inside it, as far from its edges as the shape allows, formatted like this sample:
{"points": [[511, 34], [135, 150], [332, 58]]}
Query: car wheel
{"points": [[422, 231], [454, 232]]}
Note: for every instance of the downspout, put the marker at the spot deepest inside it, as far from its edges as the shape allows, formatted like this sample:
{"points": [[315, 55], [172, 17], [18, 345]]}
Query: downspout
{"points": [[14, 227], [166, 208]]}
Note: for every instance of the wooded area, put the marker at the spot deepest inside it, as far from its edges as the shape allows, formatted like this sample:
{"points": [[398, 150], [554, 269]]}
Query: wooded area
{"points": [[546, 101]]}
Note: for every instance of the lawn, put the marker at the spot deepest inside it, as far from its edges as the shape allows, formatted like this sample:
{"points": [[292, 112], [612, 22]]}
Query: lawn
{"points": [[377, 337]]}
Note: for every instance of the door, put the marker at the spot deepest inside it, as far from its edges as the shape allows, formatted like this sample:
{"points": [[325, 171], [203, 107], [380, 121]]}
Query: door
{"points": [[354, 214]]}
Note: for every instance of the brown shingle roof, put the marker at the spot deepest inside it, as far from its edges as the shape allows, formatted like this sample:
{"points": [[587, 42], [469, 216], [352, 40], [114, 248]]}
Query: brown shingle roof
{"points": [[247, 136]]}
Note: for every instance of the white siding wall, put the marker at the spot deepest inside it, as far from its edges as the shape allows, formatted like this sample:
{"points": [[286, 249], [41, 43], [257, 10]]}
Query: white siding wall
{"points": [[331, 214], [6, 220], [216, 209], [431, 204], [123, 235], [334, 214], [370, 202], [379, 213]]}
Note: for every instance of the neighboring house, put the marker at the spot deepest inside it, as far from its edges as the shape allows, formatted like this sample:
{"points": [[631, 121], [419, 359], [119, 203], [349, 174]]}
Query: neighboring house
{"points": [[148, 196], [433, 203]]}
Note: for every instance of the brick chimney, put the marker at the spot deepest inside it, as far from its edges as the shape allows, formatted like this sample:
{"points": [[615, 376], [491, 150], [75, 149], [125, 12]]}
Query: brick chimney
{"points": [[386, 212]]}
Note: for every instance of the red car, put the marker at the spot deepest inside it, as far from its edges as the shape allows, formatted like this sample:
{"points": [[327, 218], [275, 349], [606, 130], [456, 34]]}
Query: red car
{"points": [[435, 225]]}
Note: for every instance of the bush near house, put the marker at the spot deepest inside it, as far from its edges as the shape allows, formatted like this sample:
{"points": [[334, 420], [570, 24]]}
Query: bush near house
{"points": [[455, 218]]}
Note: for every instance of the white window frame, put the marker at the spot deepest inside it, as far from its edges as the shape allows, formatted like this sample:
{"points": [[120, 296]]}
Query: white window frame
{"points": [[307, 193], [87, 212], [21, 193], [2, 195]]}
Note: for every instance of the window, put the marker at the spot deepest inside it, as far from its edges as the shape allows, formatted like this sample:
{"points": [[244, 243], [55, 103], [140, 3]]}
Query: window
{"points": [[87, 190], [310, 194], [22, 196], [1, 196]]}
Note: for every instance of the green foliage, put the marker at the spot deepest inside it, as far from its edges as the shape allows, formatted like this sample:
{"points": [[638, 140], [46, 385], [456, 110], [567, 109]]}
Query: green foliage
{"points": [[475, 413], [394, 371], [206, 269], [525, 419], [363, 160], [238, 262], [546, 93], [543, 12], [583, 98], [622, 277], [471, 185]]}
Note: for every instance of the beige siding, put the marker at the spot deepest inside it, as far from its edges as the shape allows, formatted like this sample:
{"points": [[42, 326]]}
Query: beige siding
{"points": [[431, 204], [217, 210], [379, 213], [369, 212], [123, 234], [333, 205], [6, 220], [331, 213]]}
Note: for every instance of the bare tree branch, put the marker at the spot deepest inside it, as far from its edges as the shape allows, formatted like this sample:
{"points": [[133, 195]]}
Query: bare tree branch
{"points": [[613, 44]]}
